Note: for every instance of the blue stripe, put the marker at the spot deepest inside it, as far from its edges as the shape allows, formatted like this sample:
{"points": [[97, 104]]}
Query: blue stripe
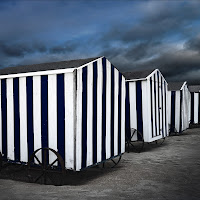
{"points": [[119, 113], [112, 109], [155, 97], [163, 125], [94, 112], [61, 115], [84, 117], [158, 104], [44, 112], [173, 93], [192, 107], [181, 97], [4, 117], [151, 102], [104, 110], [29, 92], [127, 119], [139, 108], [16, 119], [166, 125]]}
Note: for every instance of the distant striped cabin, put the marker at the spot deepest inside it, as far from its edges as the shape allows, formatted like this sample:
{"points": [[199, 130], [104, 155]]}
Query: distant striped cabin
{"points": [[178, 106], [195, 104], [146, 104], [75, 107]]}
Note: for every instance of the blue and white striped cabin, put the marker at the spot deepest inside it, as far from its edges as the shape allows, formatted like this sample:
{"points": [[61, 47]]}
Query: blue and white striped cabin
{"points": [[74, 107], [146, 104], [195, 104], [178, 106]]}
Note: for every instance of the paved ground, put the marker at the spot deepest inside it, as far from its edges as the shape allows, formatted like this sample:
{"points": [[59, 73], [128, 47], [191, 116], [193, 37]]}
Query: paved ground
{"points": [[170, 171]]}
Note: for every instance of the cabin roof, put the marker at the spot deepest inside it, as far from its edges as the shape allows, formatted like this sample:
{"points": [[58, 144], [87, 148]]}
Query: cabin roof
{"points": [[137, 74], [194, 88], [46, 66], [173, 86]]}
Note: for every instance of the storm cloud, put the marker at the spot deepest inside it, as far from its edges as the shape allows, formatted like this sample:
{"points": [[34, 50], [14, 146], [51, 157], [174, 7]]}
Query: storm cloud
{"points": [[133, 35]]}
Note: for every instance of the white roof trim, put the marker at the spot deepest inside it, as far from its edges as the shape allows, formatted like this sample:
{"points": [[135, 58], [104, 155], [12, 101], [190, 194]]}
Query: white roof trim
{"points": [[142, 79], [139, 79], [183, 85], [47, 72]]}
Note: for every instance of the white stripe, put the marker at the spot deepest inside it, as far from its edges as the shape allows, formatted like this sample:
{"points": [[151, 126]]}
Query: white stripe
{"points": [[90, 115], [0, 121], [116, 107], [123, 115], [52, 116], [99, 109], [196, 107], [70, 93], [23, 120], [169, 96], [164, 111], [146, 114], [133, 111], [153, 106], [108, 109], [167, 108], [10, 120], [37, 115], [160, 108], [79, 121], [177, 110]]}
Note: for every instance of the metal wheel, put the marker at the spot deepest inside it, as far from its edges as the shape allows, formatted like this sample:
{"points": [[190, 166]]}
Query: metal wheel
{"points": [[113, 162], [138, 145], [172, 129], [160, 141], [44, 171]]}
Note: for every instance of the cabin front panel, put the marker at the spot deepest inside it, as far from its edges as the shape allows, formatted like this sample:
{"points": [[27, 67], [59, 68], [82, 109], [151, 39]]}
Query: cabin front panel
{"points": [[185, 109], [195, 108], [100, 131], [38, 111], [179, 112], [146, 108]]}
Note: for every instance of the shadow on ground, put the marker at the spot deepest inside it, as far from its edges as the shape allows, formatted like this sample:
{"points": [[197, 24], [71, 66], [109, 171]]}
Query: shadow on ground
{"points": [[19, 172]]}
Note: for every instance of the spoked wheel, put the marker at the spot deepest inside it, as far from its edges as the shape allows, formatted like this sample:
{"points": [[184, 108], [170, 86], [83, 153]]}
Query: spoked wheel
{"points": [[160, 141], [172, 129], [44, 171], [111, 163], [138, 145]]}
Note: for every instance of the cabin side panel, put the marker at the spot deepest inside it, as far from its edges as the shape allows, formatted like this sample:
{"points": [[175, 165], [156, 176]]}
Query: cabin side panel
{"points": [[100, 113]]}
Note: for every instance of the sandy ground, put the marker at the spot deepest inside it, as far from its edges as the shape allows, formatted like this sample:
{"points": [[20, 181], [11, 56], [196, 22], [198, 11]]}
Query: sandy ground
{"points": [[170, 171]]}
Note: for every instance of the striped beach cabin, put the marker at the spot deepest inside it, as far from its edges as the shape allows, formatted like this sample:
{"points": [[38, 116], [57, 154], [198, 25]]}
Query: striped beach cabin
{"points": [[178, 106], [195, 104], [75, 107], [146, 104]]}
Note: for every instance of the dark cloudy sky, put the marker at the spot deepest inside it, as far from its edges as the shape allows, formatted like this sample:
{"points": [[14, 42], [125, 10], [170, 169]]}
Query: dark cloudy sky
{"points": [[131, 34]]}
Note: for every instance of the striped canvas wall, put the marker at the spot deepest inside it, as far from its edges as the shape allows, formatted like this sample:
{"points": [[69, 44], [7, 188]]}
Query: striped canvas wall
{"points": [[38, 111], [195, 108], [80, 114], [100, 113], [146, 107], [178, 109]]}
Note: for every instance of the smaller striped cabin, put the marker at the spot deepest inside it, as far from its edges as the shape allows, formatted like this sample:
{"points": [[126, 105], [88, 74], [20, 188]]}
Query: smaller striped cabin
{"points": [[146, 104], [75, 107], [195, 104], [178, 106]]}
